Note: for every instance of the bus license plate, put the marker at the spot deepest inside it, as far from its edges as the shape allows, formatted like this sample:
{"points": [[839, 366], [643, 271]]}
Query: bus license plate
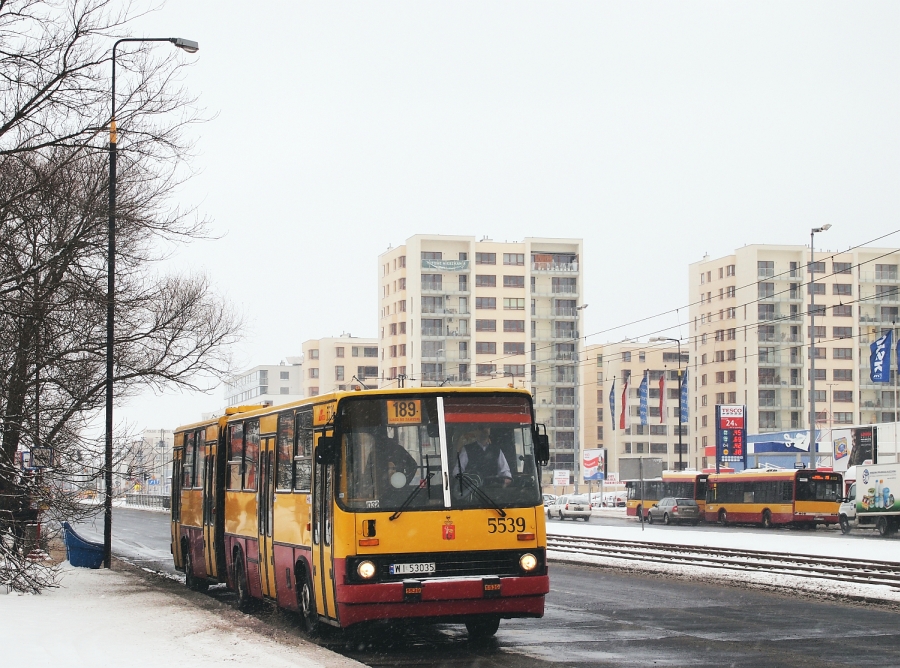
{"points": [[409, 569]]}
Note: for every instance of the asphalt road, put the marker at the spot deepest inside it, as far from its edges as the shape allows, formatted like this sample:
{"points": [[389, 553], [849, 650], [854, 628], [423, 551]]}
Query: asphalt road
{"points": [[598, 618]]}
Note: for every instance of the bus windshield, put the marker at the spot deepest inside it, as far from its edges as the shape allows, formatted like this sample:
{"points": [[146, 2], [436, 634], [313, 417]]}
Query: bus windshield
{"points": [[393, 456]]}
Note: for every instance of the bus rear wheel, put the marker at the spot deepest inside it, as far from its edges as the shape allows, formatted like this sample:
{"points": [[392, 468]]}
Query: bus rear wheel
{"points": [[723, 517], [191, 581], [640, 513], [766, 520], [480, 628], [240, 584]]}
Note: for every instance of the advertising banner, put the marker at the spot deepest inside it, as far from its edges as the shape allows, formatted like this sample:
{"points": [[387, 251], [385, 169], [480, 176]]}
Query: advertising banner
{"points": [[731, 434], [843, 441], [612, 404], [642, 395], [880, 359], [561, 477], [863, 446], [875, 489], [594, 463], [684, 397]]}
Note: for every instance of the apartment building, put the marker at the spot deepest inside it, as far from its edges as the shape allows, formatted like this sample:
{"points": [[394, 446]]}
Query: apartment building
{"points": [[146, 464], [457, 311], [751, 337], [266, 383], [607, 367], [339, 363]]}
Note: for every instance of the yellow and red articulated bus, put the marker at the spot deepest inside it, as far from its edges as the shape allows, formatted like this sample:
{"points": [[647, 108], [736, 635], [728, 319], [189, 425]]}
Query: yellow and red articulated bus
{"points": [[361, 506], [680, 484], [804, 498]]}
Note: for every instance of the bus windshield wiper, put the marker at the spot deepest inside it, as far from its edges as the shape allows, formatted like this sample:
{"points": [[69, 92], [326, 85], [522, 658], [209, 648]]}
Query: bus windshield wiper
{"points": [[424, 482], [463, 480]]}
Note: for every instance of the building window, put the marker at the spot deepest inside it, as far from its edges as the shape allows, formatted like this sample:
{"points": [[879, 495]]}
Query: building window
{"points": [[401, 350], [729, 270], [820, 374], [842, 311], [284, 390], [843, 418], [485, 325], [732, 397], [313, 373], [720, 398], [815, 288], [432, 255], [514, 259], [366, 372], [563, 285], [626, 356], [392, 351], [487, 303], [313, 391], [401, 284], [841, 267], [818, 395], [765, 311], [842, 353], [703, 379], [314, 354], [393, 329], [844, 289], [765, 268], [485, 369], [513, 348], [720, 376], [765, 290], [485, 258], [842, 396], [841, 374], [513, 325], [767, 420], [720, 356], [514, 304], [816, 267], [485, 281], [818, 332], [842, 332], [886, 272], [485, 348], [284, 375], [514, 282], [432, 282], [339, 373], [517, 370], [766, 376]]}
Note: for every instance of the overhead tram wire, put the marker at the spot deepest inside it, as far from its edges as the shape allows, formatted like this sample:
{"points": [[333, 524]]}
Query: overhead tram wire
{"points": [[744, 327]]}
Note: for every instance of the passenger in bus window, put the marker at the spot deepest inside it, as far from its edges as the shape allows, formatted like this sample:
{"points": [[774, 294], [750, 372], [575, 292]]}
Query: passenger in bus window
{"points": [[482, 458], [388, 464]]}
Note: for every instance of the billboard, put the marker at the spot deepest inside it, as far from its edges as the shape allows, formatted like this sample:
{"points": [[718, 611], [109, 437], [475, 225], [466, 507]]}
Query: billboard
{"points": [[731, 435], [561, 477], [863, 446], [594, 463]]}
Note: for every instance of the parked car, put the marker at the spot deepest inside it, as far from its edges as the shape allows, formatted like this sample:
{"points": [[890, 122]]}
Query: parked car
{"points": [[570, 505], [670, 510], [548, 499]]}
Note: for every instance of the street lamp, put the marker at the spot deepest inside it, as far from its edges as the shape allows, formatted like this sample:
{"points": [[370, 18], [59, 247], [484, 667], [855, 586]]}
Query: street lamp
{"points": [[812, 345], [577, 392], [190, 47], [678, 341]]}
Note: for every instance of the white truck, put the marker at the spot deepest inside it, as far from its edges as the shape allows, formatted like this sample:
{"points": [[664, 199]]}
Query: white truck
{"points": [[871, 502]]}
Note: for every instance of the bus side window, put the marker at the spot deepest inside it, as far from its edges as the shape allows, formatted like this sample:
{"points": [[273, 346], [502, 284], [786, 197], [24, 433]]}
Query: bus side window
{"points": [[251, 454], [303, 433], [284, 462], [235, 456], [188, 462]]}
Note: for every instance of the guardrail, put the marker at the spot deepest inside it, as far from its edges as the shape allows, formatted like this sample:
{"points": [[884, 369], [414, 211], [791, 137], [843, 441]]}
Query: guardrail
{"points": [[149, 501]]}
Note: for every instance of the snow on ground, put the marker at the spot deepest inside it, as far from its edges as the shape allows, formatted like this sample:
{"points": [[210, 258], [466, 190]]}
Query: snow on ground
{"points": [[863, 544], [110, 618]]}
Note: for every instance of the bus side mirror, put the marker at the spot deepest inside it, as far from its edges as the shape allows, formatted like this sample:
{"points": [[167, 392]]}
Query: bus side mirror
{"points": [[542, 448], [326, 450]]}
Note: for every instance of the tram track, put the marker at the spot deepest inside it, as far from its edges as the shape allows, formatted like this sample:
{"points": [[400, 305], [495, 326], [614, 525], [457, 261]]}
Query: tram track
{"points": [[858, 571]]}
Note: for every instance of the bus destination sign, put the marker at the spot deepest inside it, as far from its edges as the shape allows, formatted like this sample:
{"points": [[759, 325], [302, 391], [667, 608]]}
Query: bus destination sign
{"points": [[731, 434]]}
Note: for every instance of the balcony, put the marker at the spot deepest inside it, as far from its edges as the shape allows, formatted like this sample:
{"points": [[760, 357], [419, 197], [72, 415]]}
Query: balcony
{"points": [[555, 267], [878, 277], [432, 289], [445, 312], [454, 266]]}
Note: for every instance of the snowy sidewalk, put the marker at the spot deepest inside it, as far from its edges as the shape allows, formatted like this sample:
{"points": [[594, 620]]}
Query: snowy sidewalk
{"points": [[121, 617]]}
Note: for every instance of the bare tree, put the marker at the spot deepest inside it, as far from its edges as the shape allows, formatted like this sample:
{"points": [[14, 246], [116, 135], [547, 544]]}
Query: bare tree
{"points": [[171, 329]]}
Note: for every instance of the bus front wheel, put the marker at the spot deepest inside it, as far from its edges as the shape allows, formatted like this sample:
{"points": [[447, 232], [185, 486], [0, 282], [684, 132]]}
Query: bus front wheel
{"points": [[766, 520], [480, 628], [307, 602]]}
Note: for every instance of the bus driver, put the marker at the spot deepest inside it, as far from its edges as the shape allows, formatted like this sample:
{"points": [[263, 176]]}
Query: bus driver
{"points": [[482, 458]]}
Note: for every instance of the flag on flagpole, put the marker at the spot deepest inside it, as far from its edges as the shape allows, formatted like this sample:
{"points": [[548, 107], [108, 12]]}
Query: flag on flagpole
{"points": [[624, 405], [612, 404], [642, 395], [683, 419], [662, 397], [880, 359]]}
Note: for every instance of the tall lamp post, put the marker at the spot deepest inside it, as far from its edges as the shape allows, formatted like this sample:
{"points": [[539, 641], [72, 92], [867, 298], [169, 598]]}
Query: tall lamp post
{"points": [[812, 345], [577, 359], [190, 47], [678, 341]]}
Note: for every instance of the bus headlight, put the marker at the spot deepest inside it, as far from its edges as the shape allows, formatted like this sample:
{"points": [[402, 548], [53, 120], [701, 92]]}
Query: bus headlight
{"points": [[528, 562], [366, 570]]}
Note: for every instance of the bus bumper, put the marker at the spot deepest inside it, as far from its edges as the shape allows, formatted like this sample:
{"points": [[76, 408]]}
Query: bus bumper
{"points": [[443, 599]]}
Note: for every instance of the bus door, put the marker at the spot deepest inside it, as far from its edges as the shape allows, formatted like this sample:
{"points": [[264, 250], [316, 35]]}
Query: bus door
{"points": [[176, 503], [209, 509], [265, 511], [323, 538]]}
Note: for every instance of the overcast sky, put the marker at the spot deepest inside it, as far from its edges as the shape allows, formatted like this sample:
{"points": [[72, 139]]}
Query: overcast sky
{"points": [[655, 131]]}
